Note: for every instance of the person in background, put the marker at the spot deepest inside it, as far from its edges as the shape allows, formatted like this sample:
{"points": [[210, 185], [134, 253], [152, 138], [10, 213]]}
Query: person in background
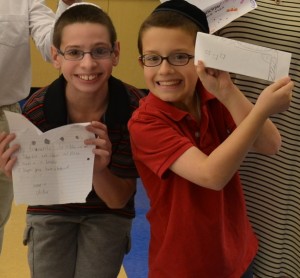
{"points": [[84, 239], [20, 20], [272, 183], [203, 127]]}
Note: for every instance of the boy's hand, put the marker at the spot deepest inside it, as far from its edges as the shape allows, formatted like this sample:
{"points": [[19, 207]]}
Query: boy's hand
{"points": [[7, 161], [276, 97], [215, 81], [102, 143]]}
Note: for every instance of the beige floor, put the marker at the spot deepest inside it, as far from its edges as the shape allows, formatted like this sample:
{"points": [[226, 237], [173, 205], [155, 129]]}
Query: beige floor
{"points": [[13, 261]]}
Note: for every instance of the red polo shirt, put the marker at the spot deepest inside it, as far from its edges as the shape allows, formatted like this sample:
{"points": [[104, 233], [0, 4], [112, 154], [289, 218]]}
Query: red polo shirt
{"points": [[195, 232]]}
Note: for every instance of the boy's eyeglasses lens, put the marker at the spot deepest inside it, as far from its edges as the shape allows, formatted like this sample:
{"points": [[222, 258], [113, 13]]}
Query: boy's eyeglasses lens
{"points": [[176, 59], [76, 54]]}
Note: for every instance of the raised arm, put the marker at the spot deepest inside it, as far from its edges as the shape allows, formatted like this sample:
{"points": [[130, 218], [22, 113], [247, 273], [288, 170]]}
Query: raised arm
{"points": [[219, 83], [215, 170], [41, 21]]}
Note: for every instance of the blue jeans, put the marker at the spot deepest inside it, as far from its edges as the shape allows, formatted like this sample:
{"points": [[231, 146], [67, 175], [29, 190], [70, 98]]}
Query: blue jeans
{"points": [[76, 246], [249, 272]]}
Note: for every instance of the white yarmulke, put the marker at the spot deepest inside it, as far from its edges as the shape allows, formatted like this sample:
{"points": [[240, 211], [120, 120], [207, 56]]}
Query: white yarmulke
{"points": [[84, 3]]}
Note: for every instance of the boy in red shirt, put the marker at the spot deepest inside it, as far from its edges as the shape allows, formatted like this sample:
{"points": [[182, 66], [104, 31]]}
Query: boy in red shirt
{"points": [[189, 137]]}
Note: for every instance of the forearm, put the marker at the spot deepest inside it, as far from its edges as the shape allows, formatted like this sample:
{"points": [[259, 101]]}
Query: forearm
{"points": [[216, 169], [113, 190], [225, 160], [63, 5], [253, 129], [268, 140], [70, 2]]}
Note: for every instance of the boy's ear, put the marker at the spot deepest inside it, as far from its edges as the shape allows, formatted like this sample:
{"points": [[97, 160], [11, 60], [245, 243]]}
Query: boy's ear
{"points": [[140, 63], [116, 54], [54, 55]]}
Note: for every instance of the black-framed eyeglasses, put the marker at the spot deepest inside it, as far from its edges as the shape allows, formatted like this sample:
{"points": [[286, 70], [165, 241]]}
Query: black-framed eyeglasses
{"points": [[175, 59], [77, 54]]}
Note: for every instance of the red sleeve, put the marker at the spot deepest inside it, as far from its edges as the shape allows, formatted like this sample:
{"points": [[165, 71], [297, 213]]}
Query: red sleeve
{"points": [[156, 142]]}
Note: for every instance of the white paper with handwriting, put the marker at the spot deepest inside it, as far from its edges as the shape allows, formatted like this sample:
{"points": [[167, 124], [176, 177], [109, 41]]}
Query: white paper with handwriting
{"points": [[242, 58], [220, 13], [54, 167]]}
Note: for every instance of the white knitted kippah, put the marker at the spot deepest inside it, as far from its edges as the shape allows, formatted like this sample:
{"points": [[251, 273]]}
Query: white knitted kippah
{"points": [[84, 3]]}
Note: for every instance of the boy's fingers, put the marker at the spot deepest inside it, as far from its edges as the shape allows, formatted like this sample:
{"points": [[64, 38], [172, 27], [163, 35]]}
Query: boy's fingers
{"points": [[280, 83]]}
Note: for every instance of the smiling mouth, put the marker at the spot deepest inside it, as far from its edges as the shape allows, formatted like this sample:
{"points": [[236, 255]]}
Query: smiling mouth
{"points": [[169, 83], [88, 77]]}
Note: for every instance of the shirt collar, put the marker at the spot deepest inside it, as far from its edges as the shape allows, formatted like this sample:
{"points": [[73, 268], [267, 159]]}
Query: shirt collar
{"points": [[55, 107], [172, 111]]}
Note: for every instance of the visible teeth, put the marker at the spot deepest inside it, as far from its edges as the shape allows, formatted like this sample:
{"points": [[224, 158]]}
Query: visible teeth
{"points": [[168, 83], [88, 77]]}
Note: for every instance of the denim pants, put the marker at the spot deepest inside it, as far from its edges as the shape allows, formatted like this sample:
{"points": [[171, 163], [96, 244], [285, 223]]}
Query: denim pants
{"points": [[77, 246], [249, 272]]}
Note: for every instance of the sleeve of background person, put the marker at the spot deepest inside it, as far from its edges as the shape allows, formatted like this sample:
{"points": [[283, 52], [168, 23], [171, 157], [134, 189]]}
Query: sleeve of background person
{"points": [[41, 22]]}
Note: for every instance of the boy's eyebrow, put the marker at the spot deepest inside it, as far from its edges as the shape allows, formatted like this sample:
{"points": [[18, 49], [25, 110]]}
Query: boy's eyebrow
{"points": [[108, 45], [179, 50]]}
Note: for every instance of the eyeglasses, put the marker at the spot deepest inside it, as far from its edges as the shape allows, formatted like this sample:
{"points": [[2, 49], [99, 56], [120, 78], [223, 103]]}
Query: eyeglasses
{"points": [[76, 54], [175, 59]]}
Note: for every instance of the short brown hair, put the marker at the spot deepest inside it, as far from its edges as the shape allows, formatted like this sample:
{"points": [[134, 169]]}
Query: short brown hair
{"points": [[83, 14], [167, 19]]}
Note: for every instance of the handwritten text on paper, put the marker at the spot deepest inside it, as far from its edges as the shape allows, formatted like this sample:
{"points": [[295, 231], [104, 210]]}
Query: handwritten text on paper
{"points": [[241, 58], [54, 167]]}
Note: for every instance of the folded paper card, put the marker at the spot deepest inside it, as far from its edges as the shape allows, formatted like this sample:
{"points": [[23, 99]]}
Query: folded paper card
{"points": [[220, 13], [241, 58], [54, 167]]}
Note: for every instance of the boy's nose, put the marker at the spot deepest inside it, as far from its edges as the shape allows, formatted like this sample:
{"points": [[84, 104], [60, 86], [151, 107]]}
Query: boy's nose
{"points": [[87, 59], [165, 66]]}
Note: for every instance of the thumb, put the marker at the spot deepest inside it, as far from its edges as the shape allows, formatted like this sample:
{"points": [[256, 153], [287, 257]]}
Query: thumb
{"points": [[280, 83]]}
